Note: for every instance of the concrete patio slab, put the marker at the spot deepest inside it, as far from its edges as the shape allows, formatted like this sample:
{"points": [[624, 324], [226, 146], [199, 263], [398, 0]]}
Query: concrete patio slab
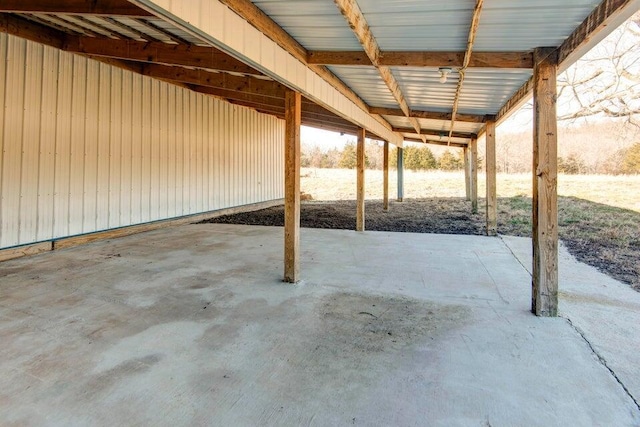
{"points": [[192, 326]]}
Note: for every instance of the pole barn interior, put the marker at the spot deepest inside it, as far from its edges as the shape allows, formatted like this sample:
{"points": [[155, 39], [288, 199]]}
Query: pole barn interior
{"points": [[125, 116]]}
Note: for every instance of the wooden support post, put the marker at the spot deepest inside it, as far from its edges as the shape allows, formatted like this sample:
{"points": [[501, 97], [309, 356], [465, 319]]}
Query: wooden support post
{"points": [[385, 176], [400, 173], [473, 177], [492, 202], [360, 180], [293, 109], [545, 177], [467, 173]]}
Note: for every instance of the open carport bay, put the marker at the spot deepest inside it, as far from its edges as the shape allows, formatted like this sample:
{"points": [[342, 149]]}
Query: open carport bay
{"points": [[192, 325]]}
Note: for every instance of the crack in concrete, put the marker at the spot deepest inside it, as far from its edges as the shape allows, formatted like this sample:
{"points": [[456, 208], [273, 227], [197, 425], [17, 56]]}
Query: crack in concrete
{"points": [[514, 255], [603, 361]]}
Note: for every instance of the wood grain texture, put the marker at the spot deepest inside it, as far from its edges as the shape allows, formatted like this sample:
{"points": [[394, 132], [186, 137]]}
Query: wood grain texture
{"points": [[473, 178], [356, 20], [261, 21], [385, 176], [424, 59], [467, 173], [492, 202], [158, 52], [360, 165], [473, 29], [545, 197], [598, 19], [75, 7], [434, 115], [433, 132], [293, 111]]}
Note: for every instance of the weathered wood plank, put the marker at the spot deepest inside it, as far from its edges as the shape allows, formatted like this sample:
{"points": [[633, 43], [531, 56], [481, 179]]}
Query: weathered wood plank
{"points": [[75, 7], [433, 132], [467, 173], [545, 197], [470, 118], [354, 16], [227, 81], [293, 111], [400, 158], [26, 250], [360, 164], [385, 176], [158, 52], [31, 31], [256, 17], [582, 36], [473, 29], [473, 154], [424, 59], [492, 202]]}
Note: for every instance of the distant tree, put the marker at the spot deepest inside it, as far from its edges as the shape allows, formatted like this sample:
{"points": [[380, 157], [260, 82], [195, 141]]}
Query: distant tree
{"points": [[418, 158], [393, 157], [631, 159], [571, 165], [348, 156], [449, 162]]}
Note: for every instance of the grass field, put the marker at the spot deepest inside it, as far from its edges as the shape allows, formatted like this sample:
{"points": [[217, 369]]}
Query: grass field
{"points": [[598, 216], [340, 184]]}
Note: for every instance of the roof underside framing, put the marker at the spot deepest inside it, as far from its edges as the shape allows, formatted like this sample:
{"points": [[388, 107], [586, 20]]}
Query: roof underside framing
{"points": [[376, 69]]}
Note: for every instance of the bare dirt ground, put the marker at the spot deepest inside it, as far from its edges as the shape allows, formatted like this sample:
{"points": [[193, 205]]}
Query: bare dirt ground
{"points": [[598, 216]]}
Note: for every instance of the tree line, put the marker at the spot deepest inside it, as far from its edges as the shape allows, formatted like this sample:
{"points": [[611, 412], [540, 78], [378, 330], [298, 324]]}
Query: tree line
{"points": [[622, 161], [415, 157]]}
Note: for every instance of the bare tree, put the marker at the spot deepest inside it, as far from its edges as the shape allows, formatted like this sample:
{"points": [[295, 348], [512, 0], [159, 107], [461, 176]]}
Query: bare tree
{"points": [[606, 81]]}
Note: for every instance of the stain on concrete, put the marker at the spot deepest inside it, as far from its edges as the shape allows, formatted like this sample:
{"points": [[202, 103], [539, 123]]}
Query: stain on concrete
{"points": [[373, 323]]}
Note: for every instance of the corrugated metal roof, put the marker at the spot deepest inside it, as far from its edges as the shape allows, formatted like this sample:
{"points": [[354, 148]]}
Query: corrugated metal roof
{"points": [[433, 25], [524, 25], [315, 24], [367, 83]]}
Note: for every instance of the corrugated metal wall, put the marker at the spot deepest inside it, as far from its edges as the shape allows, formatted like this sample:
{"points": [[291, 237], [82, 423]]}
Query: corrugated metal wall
{"points": [[85, 147]]}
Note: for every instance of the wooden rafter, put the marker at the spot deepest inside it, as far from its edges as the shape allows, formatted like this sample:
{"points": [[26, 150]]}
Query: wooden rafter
{"points": [[158, 52], [352, 13], [581, 39], [263, 95], [74, 7], [424, 59], [433, 132], [475, 19], [436, 142], [227, 81], [267, 26], [433, 115]]}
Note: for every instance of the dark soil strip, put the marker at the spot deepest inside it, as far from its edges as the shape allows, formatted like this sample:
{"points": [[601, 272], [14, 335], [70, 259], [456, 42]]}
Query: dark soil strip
{"points": [[602, 236]]}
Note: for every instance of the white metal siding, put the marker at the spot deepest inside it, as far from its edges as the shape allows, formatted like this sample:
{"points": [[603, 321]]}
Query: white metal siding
{"points": [[86, 147]]}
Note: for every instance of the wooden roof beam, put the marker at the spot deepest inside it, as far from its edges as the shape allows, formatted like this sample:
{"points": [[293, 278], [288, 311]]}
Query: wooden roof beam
{"points": [[158, 52], [436, 142], [256, 17], [227, 81], [605, 15], [439, 133], [352, 13], [473, 29], [432, 115], [424, 59], [31, 31], [75, 7]]}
